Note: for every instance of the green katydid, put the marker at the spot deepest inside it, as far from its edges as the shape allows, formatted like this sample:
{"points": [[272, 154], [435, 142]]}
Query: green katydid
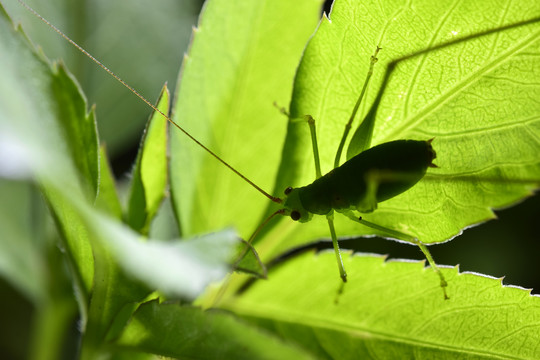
{"points": [[374, 182], [372, 176]]}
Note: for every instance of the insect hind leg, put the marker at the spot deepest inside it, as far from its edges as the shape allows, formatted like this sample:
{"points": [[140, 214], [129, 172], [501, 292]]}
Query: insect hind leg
{"points": [[402, 236], [366, 143]]}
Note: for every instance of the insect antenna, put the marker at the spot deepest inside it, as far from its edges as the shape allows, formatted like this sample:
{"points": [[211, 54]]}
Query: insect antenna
{"points": [[136, 93], [263, 224], [252, 237]]}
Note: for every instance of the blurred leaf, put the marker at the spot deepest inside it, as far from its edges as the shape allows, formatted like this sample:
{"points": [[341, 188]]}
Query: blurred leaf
{"points": [[177, 268], [392, 310], [475, 97], [155, 33], [21, 259], [49, 138], [149, 178], [188, 332], [107, 197], [42, 113], [242, 60], [111, 267], [78, 128], [127, 269]]}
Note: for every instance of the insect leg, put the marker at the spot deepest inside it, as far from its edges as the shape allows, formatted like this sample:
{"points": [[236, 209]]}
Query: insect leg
{"points": [[330, 216], [372, 184], [367, 142], [401, 236], [281, 109], [337, 250], [312, 129], [311, 121]]}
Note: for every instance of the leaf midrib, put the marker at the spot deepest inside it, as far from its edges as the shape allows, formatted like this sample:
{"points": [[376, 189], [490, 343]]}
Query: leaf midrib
{"points": [[363, 332]]}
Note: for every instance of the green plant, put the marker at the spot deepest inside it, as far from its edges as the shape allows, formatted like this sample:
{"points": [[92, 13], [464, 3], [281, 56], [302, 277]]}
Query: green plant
{"points": [[477, 97]]}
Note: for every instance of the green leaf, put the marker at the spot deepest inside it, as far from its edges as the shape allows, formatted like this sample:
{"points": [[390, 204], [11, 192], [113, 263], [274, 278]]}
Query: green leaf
{"points": [[142, 42], [32, 264], [112, 268], [127, 269], [242, 59], [249, 261], [391, 310], [107, 200], [176, 268], [43, 108], [78, 128], [46, 135], [475, 96], [149, 178], [189, 332], [21, 261]]}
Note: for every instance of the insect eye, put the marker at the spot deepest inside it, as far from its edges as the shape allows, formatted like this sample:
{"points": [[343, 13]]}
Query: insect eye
{"points": [[295, 215], [288, 190]]}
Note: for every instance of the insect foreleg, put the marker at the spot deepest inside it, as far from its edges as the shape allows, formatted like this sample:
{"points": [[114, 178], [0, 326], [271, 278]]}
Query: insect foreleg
{"points": [[401, 236]]}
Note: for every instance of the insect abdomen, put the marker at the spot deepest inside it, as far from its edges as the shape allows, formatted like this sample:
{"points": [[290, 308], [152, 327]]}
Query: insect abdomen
{"points": [[386, 170]]}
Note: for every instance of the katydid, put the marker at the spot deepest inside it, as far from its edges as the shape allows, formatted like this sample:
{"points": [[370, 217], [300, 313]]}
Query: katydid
{"points": [[372, 176], [365, 180]]}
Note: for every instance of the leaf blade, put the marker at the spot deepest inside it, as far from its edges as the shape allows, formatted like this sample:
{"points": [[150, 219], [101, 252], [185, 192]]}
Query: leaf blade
{"points": [[230, 80], [333, 67], [391, 309], [190, 330], [150, 174]]}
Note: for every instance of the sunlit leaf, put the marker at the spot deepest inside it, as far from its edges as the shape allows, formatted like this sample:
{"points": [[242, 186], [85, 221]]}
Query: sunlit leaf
{"points": [[242, 59], [149, 177], [475, 96], [392, 310]]}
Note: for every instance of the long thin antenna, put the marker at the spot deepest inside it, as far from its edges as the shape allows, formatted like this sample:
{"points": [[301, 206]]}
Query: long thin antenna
{"points": [[100, 64], [252, 237]]}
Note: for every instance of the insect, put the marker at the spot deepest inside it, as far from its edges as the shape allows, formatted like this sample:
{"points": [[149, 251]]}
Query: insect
{"points": [[366, 202], [372, 176]]}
